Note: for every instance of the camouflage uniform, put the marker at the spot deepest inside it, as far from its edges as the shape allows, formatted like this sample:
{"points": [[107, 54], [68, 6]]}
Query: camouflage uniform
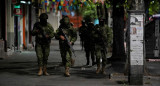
{"points": [[101, 41], [42, 48], [100, 44], [82, 33], [89, 43], [109, 37], [65, 50], [103, 34]]}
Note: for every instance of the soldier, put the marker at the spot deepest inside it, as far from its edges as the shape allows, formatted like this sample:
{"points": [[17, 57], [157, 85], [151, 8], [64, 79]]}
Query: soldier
{"points": [[89, 43], [43, 32], [66, 54], [100, 37], [82, 33]]}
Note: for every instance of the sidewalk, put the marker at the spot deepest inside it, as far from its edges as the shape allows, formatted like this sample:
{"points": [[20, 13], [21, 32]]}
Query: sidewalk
{"points": [[20, 69]]}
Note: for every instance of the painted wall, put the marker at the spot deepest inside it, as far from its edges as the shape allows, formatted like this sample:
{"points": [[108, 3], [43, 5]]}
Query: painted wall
{"points": [[10, 25], [53, 19]]}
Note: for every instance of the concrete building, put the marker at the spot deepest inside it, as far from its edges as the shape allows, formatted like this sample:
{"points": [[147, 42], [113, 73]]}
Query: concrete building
{"points": [[17, 19], [15, 24]]}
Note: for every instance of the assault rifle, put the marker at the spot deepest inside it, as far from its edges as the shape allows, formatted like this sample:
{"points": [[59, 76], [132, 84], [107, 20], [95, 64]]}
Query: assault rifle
{"points": [[45, 39], [68, 42]]}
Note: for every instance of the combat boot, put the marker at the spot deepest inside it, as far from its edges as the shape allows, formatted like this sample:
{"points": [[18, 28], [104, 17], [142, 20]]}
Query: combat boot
{"points": [[98, 69], [45, 71], [67, 72], [103, 70], [40, 72]]}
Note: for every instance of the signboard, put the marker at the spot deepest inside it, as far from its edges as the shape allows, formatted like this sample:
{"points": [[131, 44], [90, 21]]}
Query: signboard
{"points": [[136, 39], [17, 11], [17, 6]]}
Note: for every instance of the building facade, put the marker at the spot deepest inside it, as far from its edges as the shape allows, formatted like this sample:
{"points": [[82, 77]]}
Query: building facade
{"points": [[15, 24]]}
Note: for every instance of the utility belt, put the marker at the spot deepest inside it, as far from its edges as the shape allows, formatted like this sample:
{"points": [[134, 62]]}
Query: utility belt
{"points": [[43, 41]]}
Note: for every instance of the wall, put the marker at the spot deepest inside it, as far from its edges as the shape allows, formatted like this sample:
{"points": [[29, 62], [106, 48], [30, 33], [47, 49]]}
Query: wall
{"points": [[10, 26], [0, 20], [53, 19]]}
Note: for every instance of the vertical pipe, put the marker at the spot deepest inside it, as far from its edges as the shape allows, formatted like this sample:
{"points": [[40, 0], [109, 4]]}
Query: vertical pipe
{"points": [[24, 42], [30, 22], [1, 20], [5, 38]]}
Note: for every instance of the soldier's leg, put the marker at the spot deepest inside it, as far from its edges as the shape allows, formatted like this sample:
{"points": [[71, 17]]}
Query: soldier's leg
{"points": [[82, 44], [39, 53], [87, 56], [93, 57], [72, 60], [68, 59], [46, 52], [98, 56], [63, 56], [68, 63], [104, 61]]}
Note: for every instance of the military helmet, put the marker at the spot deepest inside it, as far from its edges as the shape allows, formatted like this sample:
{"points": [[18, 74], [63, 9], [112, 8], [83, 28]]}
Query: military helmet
{"points": [[43, 16]]}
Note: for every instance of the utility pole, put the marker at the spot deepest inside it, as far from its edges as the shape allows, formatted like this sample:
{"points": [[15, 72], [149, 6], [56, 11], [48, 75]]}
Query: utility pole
{"points": [[136, 42]]}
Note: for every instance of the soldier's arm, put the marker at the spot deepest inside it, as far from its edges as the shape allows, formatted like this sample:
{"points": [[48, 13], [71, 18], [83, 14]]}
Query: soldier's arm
{"points": [[94, 34], [35, 30], [73, 35], [57, 34], [109, 35], [105, 37], [51, 31]]}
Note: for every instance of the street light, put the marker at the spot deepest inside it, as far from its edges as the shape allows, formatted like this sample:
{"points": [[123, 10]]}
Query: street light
{"points": [[25, 2]]}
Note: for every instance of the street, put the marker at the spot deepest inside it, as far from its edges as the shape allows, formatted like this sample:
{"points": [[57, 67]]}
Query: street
{"points": [[20, 69]]}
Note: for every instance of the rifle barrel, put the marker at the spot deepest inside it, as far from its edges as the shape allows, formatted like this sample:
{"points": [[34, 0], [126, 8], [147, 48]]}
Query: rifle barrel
{"points": [[68, 42]]}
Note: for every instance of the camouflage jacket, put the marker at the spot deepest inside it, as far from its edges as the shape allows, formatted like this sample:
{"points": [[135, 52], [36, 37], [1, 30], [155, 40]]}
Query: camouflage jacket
{"points": [[103, 34], [89, 37], [69, 31], [43, 31], [100, 36], [109, 32], [82, 32]]}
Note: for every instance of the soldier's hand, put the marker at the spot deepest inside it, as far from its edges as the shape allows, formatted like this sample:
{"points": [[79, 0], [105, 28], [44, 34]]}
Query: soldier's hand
{"points": [[62, 37]]}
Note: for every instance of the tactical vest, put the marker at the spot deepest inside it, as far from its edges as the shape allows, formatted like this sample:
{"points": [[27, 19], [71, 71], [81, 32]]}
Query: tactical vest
{"points": [[40, 38]]}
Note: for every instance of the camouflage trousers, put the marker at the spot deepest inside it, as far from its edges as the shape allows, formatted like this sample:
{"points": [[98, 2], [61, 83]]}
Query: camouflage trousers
{"points": [[100, 53], [66, 55], [42, 52]]}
